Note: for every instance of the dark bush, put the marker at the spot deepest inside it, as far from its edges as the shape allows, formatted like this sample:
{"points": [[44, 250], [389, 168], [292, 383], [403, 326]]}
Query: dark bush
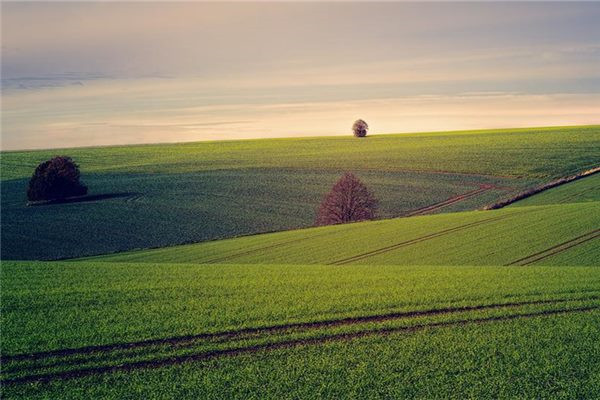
{"points": [[55, 179], [349, 200], [360, 128]]}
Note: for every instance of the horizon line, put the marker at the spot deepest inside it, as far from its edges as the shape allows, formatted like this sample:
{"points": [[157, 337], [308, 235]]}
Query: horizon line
{"points": [[24, 150]]}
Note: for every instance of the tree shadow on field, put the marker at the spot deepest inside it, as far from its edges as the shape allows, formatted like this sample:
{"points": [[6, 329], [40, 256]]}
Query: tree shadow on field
{"points": [[84, 199]]}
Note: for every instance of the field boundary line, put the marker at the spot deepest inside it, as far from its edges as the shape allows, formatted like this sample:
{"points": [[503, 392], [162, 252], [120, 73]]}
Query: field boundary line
{"points": [[284, 327], [209, 355], [558, 248], [542, 188]]}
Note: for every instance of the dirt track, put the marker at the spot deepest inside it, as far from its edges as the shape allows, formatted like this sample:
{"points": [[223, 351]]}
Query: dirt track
{"points": [[52, 359], [208, 355]]}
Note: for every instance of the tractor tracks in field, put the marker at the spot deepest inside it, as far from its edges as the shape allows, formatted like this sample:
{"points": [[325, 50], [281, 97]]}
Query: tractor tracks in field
{"points": [[578, 194], [280, 328], [558, 248], [179, 342], [452, 200], [421, 211], [134, 197], [229, 257], [420, 239]]}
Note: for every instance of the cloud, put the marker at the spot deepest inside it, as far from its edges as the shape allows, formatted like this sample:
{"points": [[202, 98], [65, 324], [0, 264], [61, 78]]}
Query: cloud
{"points": [[98, 73], [47, 128]]}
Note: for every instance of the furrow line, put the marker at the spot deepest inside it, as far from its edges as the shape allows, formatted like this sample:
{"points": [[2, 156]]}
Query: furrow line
{"points": [[232, 334], [268, 247], [558, 248], [209, 355], [450, 201], [418, 240], [562, 249]]}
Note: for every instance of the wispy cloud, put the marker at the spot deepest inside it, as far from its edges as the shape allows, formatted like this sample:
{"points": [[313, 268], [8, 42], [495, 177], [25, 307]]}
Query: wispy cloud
{"points": [[98, 73]]}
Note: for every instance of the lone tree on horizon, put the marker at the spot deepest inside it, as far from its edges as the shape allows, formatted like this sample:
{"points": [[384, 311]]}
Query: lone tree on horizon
{"points": [[348, 201], [360, 128], [55, 179]]}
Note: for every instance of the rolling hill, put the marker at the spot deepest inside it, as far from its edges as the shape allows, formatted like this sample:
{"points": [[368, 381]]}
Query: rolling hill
{"points": [[516, 235], [502, 303], [168, 194]]}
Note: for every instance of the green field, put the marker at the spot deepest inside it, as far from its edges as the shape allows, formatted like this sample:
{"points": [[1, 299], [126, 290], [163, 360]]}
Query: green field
{"points": [[582, 190], [147, 314], [466, 238], [548, 356], [491, 152], [469, 304], [161, 195]]}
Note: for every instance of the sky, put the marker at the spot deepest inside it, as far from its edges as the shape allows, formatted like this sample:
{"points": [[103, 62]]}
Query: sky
{"points": [[87, 73]]}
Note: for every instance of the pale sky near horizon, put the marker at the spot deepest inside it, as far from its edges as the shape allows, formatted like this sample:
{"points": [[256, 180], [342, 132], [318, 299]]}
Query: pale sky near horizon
{"points": [[81, 74]]}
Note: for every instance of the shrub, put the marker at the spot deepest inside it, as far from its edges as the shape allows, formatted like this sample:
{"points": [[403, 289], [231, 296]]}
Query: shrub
{"points": [[349, 200], [55, 179], [360, 128]]}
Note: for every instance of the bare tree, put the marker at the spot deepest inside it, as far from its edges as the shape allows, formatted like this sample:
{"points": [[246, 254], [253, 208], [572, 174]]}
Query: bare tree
{"points": [[349, 200], [360, 128], [57, 178]]}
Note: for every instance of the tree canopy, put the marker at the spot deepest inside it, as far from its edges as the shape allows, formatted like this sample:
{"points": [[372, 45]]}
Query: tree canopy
{"points": [[360, 128], [349, 200], [55, 179]]}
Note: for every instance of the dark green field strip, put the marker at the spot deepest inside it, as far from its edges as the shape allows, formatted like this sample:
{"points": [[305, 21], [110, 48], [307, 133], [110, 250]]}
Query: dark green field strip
{"points": [[556, 249], [197, 192], [269, 346], [261, 246], [170, 209]]}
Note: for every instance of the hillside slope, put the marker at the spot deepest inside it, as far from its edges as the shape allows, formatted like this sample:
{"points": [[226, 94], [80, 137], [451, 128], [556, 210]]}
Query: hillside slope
{"points": [[108, 329], [582, 190], [224, 318], [522, 235], [162, 195]]}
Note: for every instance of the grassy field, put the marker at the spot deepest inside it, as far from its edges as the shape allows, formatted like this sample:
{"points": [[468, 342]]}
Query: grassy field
{"points": [[548, 356], [466, 238], [49, 306], [471, 304], [160, 195], [141, 315], [582, 190], [160, 210], [142, 322], [491, 152]]}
